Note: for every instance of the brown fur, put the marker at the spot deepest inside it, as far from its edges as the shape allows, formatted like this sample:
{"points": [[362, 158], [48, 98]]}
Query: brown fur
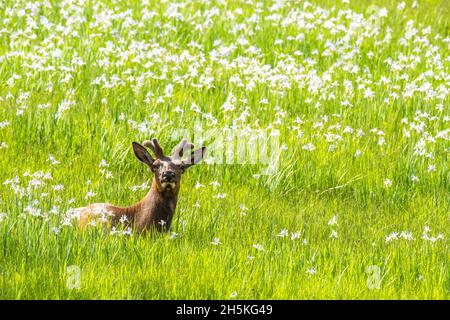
{"points": [[156, 210]]}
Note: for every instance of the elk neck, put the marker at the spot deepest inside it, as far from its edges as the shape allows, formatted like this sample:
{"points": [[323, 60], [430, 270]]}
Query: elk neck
{"points": [[157, 206]]}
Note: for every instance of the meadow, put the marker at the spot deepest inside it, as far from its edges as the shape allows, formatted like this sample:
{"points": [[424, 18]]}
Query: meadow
{"points": [[356, 92]]}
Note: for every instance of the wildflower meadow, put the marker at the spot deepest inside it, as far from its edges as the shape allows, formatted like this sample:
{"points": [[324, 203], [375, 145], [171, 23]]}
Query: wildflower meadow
{"points": [[327, 125]]}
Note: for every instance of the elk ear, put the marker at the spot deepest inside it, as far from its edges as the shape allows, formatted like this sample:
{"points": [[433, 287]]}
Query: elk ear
{"points": [[196, 157], [142, 154]]}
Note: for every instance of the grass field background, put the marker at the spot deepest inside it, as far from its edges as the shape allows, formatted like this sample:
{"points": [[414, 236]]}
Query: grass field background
{"points": [[359, 205]]}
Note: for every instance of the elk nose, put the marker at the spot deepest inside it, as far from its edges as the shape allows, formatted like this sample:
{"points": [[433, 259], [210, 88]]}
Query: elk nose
{"points": [[169, 175]]}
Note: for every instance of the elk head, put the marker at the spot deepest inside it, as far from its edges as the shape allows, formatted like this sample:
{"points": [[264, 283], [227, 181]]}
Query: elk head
{"points": [[168, 169]]}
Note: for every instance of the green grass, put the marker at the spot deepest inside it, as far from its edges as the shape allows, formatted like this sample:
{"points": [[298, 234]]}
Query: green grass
{"points": [[306, 192]]}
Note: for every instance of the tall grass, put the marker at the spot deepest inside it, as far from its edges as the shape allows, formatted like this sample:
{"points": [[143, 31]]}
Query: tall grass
{"points": [[364, 184]]}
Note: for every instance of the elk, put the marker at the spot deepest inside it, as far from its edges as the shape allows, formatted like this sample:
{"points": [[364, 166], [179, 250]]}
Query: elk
{"points": [[157, 208]]}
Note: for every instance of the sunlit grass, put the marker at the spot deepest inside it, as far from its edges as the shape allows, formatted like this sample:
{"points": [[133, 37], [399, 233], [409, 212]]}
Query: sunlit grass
{"points": [[314, 257]]}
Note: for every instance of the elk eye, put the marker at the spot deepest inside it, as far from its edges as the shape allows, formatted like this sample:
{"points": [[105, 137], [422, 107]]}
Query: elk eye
{"points": [[182, 167]]}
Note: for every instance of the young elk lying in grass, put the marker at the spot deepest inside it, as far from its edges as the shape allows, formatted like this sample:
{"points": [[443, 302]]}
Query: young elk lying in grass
{"points": [[156, 210]]}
